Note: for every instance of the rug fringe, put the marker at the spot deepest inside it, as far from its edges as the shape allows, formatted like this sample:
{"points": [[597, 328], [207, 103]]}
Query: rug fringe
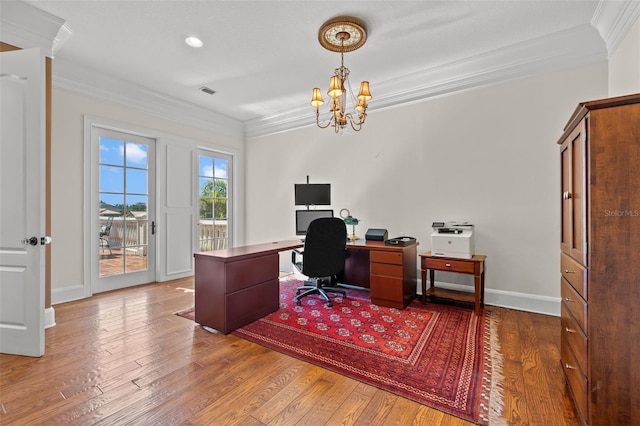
{"points": [[497, 398]]}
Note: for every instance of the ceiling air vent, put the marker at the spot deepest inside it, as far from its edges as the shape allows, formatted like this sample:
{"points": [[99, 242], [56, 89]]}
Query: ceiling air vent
{"points": [[207, 90]]}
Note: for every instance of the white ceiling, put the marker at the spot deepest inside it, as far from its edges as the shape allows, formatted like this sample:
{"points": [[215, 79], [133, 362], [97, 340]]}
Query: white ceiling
{"points": [[263, 57]]}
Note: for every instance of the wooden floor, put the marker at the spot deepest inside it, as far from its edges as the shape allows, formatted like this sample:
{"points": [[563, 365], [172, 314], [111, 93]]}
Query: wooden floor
{"points": [[123, 357]]}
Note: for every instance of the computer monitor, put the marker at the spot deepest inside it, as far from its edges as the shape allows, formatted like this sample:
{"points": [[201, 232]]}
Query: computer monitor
{"points": [[305, 217], [312, 194]]}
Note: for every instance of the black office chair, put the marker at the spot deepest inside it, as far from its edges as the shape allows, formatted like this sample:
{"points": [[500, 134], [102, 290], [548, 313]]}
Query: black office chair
{"points": [[322, 258]]}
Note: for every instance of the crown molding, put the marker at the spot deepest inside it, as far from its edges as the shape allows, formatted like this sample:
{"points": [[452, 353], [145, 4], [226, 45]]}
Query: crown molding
{"points": [[26, 26], [581, 45], [92, 83], [614, 19]]}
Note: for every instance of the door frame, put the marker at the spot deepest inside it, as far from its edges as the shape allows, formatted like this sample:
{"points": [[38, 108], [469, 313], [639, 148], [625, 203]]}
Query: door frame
{"points": [[91, 173]]}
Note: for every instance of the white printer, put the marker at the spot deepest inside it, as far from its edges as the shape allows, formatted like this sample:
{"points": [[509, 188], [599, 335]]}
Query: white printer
{"points": [[452, 239]]}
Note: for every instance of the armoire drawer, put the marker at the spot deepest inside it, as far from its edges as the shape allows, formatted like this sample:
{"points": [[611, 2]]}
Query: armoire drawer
{"points": [[575, 337], [574, 303], [576, 381], [575, 273]]}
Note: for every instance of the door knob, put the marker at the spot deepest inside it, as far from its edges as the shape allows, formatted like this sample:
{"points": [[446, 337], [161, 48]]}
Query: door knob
{"points": [[33, 241]]}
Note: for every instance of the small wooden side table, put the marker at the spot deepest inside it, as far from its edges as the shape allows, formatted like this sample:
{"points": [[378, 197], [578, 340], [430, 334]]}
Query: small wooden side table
{"points": [[474, 266]]}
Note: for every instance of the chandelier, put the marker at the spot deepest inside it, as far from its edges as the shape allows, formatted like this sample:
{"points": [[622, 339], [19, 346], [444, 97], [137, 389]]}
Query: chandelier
{"points": [[342, 34]]}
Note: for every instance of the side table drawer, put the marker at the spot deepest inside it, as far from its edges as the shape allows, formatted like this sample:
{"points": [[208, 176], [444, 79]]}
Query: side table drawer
{"points": [[448, 265]]}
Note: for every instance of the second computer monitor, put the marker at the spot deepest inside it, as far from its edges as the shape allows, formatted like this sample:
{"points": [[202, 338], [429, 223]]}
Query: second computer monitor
{"points": [[305, 217]]}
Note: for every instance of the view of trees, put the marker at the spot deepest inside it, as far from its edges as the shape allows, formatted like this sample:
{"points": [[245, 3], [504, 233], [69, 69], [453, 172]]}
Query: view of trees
{"points": [[213, 200], [119, 208]]}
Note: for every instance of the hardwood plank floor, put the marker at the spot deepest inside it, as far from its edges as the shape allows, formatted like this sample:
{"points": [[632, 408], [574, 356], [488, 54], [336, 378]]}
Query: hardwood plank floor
{"points": [[124, 358]]}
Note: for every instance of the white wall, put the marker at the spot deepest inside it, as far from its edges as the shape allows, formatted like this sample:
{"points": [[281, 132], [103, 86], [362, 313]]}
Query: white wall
{"points": [[624, 64], [488, 156], [67, 173]]}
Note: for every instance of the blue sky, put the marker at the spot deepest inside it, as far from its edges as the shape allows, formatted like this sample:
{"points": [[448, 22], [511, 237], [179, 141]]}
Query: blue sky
{"points": [[118, 157]]}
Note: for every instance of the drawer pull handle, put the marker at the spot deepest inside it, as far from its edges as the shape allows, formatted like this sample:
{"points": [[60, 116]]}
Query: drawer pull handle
{"points": [[566, 271], [566, 299], [566, 195], [448, 265], [568, 330], [569, 366]]}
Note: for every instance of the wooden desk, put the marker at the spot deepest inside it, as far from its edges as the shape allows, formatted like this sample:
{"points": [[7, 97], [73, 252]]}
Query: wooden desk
{"points": [[474, 266], [389, 271], [236, 286]]}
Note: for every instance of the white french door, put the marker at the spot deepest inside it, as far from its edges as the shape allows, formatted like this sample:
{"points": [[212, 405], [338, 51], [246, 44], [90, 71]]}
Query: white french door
{"points": [[214, 195], [123, 224]]}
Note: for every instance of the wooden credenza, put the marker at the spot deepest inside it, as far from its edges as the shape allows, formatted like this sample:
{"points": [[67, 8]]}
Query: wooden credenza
{"points": [[600, 260], [236, 286]]}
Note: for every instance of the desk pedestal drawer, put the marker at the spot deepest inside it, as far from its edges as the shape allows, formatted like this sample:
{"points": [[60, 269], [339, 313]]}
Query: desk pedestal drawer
{"points": [[387, 291]]}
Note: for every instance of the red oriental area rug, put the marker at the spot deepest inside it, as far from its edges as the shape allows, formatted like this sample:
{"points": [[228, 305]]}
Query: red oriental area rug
{"points": [[438, 355]]}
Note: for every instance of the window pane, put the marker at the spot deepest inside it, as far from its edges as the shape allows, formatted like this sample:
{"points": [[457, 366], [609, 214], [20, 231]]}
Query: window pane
{"points": [[111, 151], [136, 155], [220, 209], [112, 202], [111, 179], [136, 181], [137, 203], [206, 166], [221, 168]]}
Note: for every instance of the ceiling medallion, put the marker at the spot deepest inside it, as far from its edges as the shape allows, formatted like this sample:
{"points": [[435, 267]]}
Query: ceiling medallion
{"points": [[352, 31], [342, 34]]}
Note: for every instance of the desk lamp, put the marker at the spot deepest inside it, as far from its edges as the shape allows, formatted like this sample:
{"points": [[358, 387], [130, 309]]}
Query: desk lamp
{"points": [[345, 214]]}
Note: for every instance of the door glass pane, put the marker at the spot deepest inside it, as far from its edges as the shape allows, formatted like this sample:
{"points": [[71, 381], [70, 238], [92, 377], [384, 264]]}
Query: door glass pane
{"points": [[214, 202], [123, 186]]}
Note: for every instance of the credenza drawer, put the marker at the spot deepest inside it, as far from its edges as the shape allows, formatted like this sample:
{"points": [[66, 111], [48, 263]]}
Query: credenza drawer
{"points": [[386, 257], [448, 265], [386, 269], [246, 273], [576, 380], [575, 273], [574, 303], [574, 336]]}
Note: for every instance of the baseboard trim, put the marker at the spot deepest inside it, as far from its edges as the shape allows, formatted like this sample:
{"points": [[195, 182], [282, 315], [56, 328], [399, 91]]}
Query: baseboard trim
{"points": [[67, 294], [49, 317], [512, 300]]}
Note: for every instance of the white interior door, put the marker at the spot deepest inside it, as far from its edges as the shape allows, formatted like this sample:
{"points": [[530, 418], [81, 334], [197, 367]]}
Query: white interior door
{"points": [[22, 206]]}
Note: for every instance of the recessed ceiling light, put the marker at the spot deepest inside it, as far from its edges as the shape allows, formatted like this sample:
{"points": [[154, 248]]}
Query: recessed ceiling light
{"points": [[193, 41]]}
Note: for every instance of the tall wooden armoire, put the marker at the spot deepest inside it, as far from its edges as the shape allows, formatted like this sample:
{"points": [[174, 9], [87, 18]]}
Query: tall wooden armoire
{"points": [[600, 260]]}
